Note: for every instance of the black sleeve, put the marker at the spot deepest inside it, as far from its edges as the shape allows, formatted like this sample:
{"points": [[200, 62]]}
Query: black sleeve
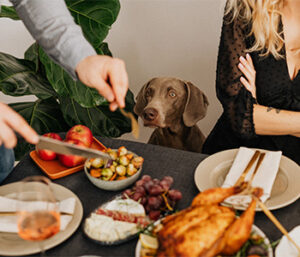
{"points": [[236, 100]]}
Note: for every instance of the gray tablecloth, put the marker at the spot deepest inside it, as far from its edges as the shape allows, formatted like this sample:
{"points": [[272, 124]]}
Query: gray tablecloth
{"points": [[159, 162]]}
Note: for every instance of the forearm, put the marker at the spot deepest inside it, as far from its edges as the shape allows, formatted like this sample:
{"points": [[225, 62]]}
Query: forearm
{"points": [[272, 121], [52, 25]]}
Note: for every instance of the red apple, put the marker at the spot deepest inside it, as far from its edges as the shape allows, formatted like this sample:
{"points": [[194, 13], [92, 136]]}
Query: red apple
{"points": [[48, 155], [80, 133], [72, 160]]}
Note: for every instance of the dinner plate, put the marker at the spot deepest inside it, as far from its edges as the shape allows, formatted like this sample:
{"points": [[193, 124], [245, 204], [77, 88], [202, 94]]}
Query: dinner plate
{"points": [[285, 247], [211, 172], [109, 243], [255, 229], [12, 245]]}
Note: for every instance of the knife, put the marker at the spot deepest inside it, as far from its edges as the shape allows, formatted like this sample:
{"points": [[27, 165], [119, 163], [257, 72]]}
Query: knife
{"points": [[69, 149]]}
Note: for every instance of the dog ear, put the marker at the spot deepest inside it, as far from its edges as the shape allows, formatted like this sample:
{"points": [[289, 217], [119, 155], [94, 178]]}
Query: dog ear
{"points": [[196, 105], [141, 100]]}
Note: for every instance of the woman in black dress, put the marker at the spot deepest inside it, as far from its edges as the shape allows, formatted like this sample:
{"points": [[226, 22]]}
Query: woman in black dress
{"points": [[258, 80]]}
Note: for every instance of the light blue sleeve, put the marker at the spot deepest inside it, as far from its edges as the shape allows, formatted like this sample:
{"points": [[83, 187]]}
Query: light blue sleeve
{"points": [[53, 27]]}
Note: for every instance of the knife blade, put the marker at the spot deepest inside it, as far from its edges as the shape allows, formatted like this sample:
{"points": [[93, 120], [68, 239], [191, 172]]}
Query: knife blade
{"points": [[69, 149]]}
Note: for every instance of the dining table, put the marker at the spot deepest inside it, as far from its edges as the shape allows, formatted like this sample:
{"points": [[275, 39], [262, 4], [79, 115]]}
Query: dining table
{"points": [[158, 162]]}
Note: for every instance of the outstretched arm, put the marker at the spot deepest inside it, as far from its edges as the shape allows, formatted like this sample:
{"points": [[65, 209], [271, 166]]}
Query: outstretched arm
{"points": [[52, 25]]}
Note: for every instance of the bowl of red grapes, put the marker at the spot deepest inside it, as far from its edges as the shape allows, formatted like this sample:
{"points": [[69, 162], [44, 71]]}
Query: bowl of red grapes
{"points": [[157, 196]]}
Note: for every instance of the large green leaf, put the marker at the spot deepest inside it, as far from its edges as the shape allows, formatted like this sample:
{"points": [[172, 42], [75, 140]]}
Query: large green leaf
{"points": [[94, 17], [43, 115], [32, 54], [65, 86], [18, 78], [8, 12], [99, 119]]}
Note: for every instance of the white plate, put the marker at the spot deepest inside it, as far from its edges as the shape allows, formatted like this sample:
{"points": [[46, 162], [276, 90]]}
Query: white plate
{"points": [[12, 245], [285, 247], [254, 229], [211, 172]]}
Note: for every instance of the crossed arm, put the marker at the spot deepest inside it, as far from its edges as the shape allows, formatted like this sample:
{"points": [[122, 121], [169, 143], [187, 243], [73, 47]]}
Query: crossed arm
{"points": [[268, 120]]}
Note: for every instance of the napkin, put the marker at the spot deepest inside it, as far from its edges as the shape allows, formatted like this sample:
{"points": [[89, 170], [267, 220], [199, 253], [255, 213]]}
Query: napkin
{"points": [[285, 247], [264, 177], [8, 223]]}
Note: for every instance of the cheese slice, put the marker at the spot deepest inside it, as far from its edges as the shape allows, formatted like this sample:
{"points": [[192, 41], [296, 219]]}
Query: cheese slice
{"points": [[126, 205]]}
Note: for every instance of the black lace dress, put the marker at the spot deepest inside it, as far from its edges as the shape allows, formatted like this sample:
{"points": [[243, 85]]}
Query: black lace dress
{"points": [[274, 88]]}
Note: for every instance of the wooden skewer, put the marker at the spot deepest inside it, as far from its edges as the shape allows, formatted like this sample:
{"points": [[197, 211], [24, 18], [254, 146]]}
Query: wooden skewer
{"points": [[134, 124], [276, 222], [248, 167]]}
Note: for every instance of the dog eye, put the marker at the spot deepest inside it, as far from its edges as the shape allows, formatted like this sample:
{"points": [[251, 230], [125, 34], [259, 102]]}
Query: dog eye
{"points": [[172, 94]]}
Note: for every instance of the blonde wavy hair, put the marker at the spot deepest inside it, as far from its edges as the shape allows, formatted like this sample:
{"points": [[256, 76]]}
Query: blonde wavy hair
{"points": [[264, 15]]}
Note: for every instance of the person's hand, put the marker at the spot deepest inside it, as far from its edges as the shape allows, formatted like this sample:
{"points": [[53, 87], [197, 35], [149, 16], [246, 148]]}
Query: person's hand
{"points": [[11, 121], [247, 68], [95, 71]]}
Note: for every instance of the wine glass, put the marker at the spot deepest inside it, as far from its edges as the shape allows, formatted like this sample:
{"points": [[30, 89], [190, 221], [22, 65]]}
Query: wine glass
{"points": [[37, 210]]}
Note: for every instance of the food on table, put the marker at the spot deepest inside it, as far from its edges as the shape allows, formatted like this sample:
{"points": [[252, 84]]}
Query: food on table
{"points": [[122, 165], [116, 220], [80, 133], [254, 247], [155, 195], [48, 155], [72, 160], [213, 228]]}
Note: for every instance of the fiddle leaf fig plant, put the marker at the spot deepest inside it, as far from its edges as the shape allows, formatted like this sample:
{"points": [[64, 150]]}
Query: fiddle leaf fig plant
{"points": [[62, 102]]}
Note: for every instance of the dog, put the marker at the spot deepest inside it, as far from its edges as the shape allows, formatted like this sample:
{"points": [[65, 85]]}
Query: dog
{"points": [[173, 107]]}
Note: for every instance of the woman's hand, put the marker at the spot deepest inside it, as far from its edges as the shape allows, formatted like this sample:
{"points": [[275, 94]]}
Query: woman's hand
{"points": [[247, 68], [11, 121]]}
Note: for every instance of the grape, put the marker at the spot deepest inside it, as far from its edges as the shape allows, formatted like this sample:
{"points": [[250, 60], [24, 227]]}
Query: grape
{"points": [[148, 185], [175, 195], [147, 208], [141, 190], [146, 178], [155, 202], [165, 185], [127, 193], [140, 183], [169, 179], [156, 190], [154, 215], [136, 196], [144, 201], [156, 181]]}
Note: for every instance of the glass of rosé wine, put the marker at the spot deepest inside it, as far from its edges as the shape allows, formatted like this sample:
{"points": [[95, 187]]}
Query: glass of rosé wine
{"points": [[37, 210]]}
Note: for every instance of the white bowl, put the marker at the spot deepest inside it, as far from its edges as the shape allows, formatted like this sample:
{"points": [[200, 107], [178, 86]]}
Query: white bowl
{"points": [[114, 185]]}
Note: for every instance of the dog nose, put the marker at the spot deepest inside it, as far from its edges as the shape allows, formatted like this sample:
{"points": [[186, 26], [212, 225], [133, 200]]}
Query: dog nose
{"points": [[150, 114]]}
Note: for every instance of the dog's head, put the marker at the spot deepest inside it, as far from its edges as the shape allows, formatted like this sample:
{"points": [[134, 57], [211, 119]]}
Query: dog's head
{"points": [[164, 102]]}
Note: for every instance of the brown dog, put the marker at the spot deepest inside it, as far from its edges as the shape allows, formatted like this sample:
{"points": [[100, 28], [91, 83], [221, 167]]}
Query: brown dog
{"points": [[174, 107]]}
